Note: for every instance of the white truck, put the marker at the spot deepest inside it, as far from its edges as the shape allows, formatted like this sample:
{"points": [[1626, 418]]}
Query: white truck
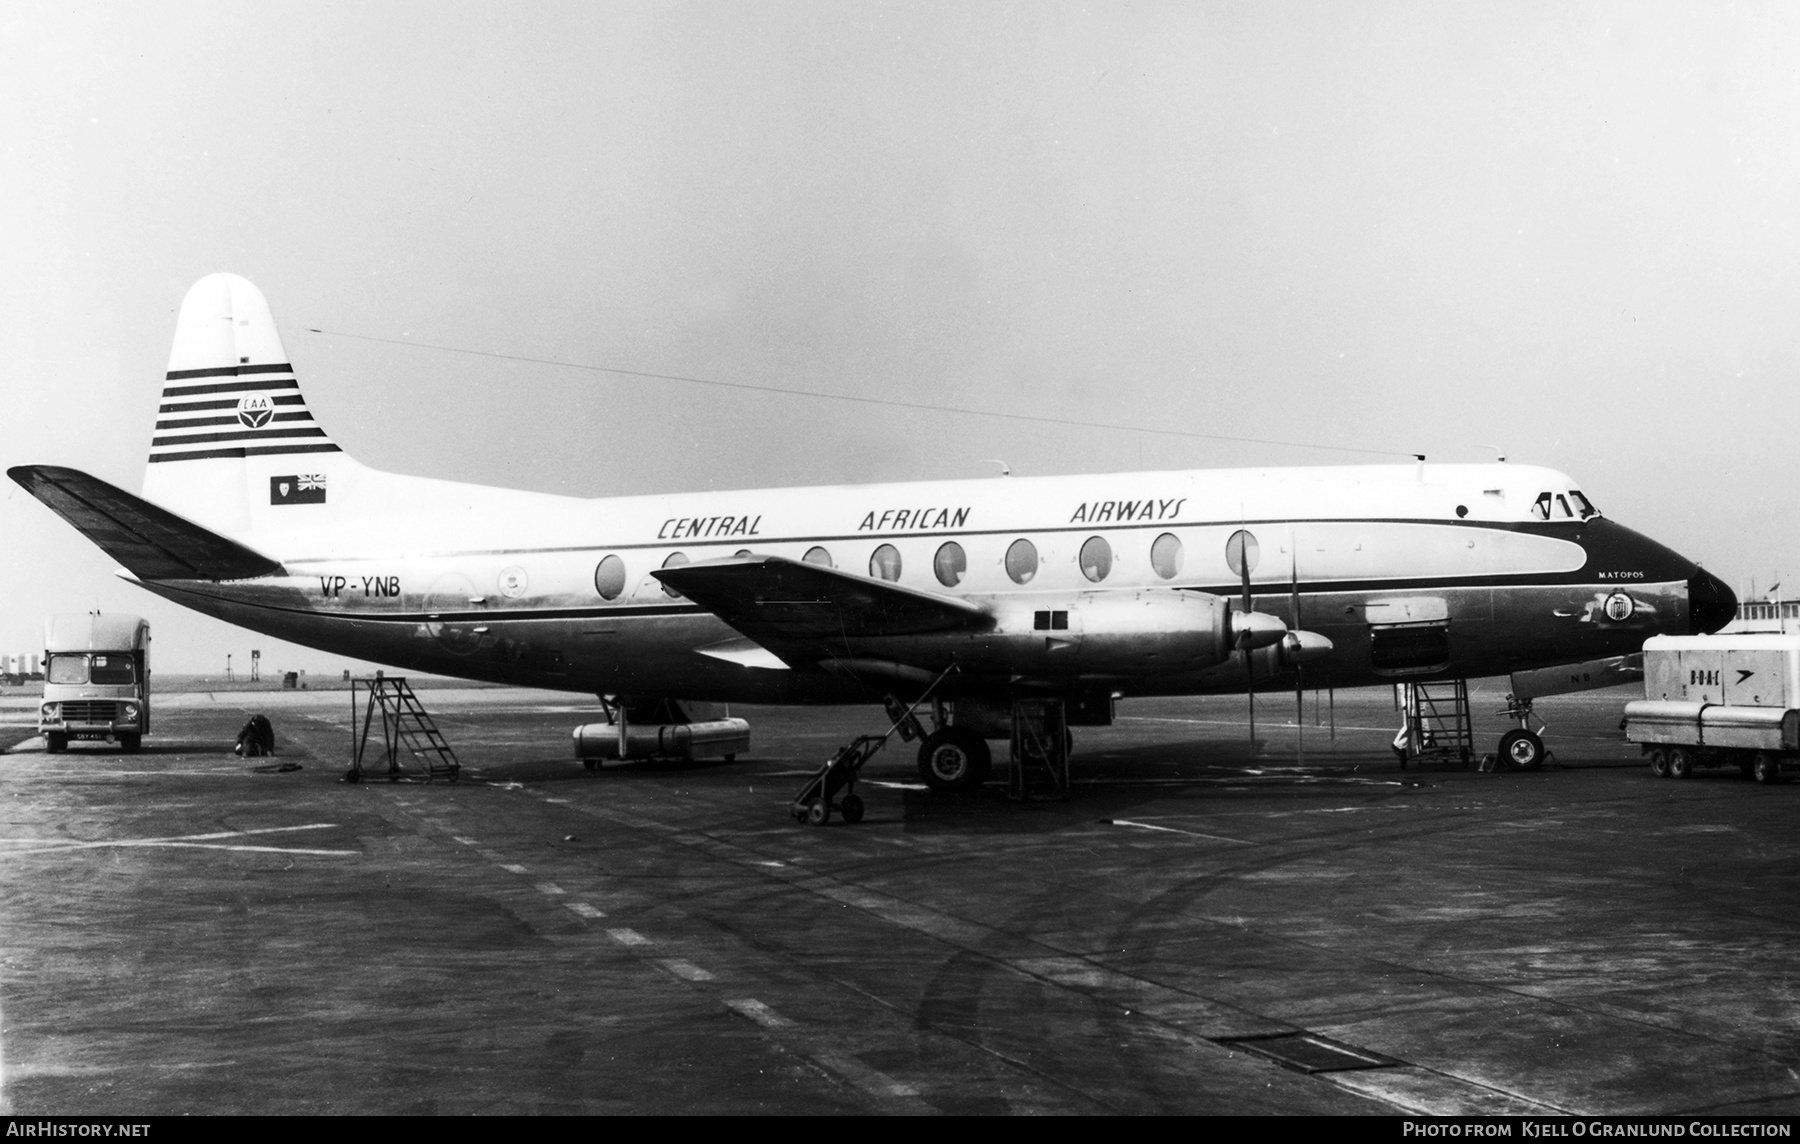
{"points": [[96, 680], [1719, 700]]}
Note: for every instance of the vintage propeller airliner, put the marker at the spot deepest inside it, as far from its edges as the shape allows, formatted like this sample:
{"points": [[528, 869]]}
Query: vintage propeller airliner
{"points": [[986, 593]]}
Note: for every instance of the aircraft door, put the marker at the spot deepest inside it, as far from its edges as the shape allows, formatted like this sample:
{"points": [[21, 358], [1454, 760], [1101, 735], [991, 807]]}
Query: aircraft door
{"points": [[1409, 635]]}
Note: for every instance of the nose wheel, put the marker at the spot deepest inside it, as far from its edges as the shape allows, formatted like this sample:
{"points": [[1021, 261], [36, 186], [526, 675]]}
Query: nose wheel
{"points": [[1521, 750]]}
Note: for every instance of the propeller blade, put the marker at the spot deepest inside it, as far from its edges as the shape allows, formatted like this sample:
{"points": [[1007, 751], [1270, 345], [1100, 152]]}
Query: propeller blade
{"points": [[1299, 693]]}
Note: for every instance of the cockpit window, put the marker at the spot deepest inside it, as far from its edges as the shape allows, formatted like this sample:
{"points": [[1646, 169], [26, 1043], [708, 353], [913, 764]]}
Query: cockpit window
{"points": [[1584, 507], [1562, 503], [1541, 507]]}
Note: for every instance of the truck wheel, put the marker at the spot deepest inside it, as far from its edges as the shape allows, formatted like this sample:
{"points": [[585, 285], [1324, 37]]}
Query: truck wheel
{"points": [[1681, 762], [130, 741], [1767, 767], [1522, 750], [1659, 762], [56, 742]]}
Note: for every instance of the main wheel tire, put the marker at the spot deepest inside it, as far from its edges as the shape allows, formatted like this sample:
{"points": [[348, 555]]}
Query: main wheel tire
{"points": [[56, 742], [591, 764], [1659, 762], [1681, 762], [953, 759], [819, 813], [1767, 767], [1522, 750], [852, 808], [130, 741]]}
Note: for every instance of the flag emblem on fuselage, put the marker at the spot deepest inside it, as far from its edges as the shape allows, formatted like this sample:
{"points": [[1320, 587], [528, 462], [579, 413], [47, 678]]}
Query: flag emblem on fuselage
{"points": [[306, 488], [255, 409]]}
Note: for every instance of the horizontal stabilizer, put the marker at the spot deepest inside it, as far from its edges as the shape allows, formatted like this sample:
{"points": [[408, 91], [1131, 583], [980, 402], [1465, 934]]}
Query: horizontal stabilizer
{"points": [[772, 598], [152, 543]]}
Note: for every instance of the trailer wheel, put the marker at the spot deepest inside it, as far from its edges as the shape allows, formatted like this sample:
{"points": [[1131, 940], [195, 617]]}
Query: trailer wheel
{"points": [[1681, 762], [853, 809], [1767, 767], [1522, 750], [1659, 762], [819, 813]]}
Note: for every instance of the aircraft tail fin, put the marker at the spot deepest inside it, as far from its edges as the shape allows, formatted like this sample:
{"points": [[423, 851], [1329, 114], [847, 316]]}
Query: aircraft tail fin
{"points": [[151, 542], [232, 420]]}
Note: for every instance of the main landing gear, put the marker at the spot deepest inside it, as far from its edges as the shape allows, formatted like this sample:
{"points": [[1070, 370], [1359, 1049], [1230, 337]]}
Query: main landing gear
{"points": [[954, 758]]}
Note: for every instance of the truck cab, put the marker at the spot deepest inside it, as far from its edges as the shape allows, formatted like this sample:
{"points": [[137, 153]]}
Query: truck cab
{"points": [[96, 680]]}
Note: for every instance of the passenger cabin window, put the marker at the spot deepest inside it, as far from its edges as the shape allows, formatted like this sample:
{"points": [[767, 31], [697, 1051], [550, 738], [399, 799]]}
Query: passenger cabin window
{"points": [[67, 669], [609, 578], [1022, 561], [1096, 558], [885, 563], [675, 560], [817, 555], [949, 564], [1165, 556], [112, 669]]}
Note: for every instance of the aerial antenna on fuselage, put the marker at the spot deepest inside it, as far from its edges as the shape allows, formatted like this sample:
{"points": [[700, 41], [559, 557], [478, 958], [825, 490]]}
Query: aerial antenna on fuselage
{"points": [[1499, 453], [891, 403], [1005, 469]]}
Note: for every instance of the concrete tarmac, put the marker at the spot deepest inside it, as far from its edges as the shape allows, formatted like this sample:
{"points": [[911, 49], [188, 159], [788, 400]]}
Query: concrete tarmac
{"points": [[184, 931]]}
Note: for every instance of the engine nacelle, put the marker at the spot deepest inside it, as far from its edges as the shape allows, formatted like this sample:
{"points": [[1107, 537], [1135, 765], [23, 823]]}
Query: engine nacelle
{"points": [[1158, 630]]}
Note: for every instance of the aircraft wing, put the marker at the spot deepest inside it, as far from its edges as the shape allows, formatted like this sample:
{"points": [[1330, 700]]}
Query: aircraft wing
{"points": [[774, 600], [152, 543]]}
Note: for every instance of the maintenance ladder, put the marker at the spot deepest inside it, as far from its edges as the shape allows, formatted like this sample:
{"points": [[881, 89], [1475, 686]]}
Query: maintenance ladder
{"points": [[1438, 726], [404, 723], [1040, 750]]}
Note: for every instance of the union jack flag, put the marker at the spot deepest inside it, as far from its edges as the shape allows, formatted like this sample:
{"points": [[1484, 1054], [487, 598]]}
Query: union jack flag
{"points": [[311, 481]]}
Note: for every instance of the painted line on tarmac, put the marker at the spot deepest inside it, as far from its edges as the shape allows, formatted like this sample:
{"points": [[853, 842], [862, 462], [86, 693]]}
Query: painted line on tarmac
{"points": [[845, 1066], [514, 868], [461, 839], [1186, 1015], [550, 888], [755, 1010], [1176, 830], [1246, 723], [629, 937], [190, 841], [864, 1077], [686, 970], [582, 909]]}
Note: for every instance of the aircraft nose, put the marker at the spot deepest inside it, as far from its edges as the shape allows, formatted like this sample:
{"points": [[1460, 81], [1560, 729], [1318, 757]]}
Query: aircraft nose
{"points": [[1711, 604]]}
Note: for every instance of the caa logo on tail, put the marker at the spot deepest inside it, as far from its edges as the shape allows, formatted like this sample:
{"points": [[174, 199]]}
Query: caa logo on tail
{"points": [[255, 409]]}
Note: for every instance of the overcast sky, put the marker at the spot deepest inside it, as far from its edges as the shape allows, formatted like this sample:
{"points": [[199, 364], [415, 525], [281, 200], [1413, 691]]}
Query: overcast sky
{"points": [[1569, 230]]}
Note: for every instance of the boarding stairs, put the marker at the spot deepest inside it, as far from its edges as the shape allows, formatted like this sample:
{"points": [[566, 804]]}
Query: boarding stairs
{"points": [[404, 723]]}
